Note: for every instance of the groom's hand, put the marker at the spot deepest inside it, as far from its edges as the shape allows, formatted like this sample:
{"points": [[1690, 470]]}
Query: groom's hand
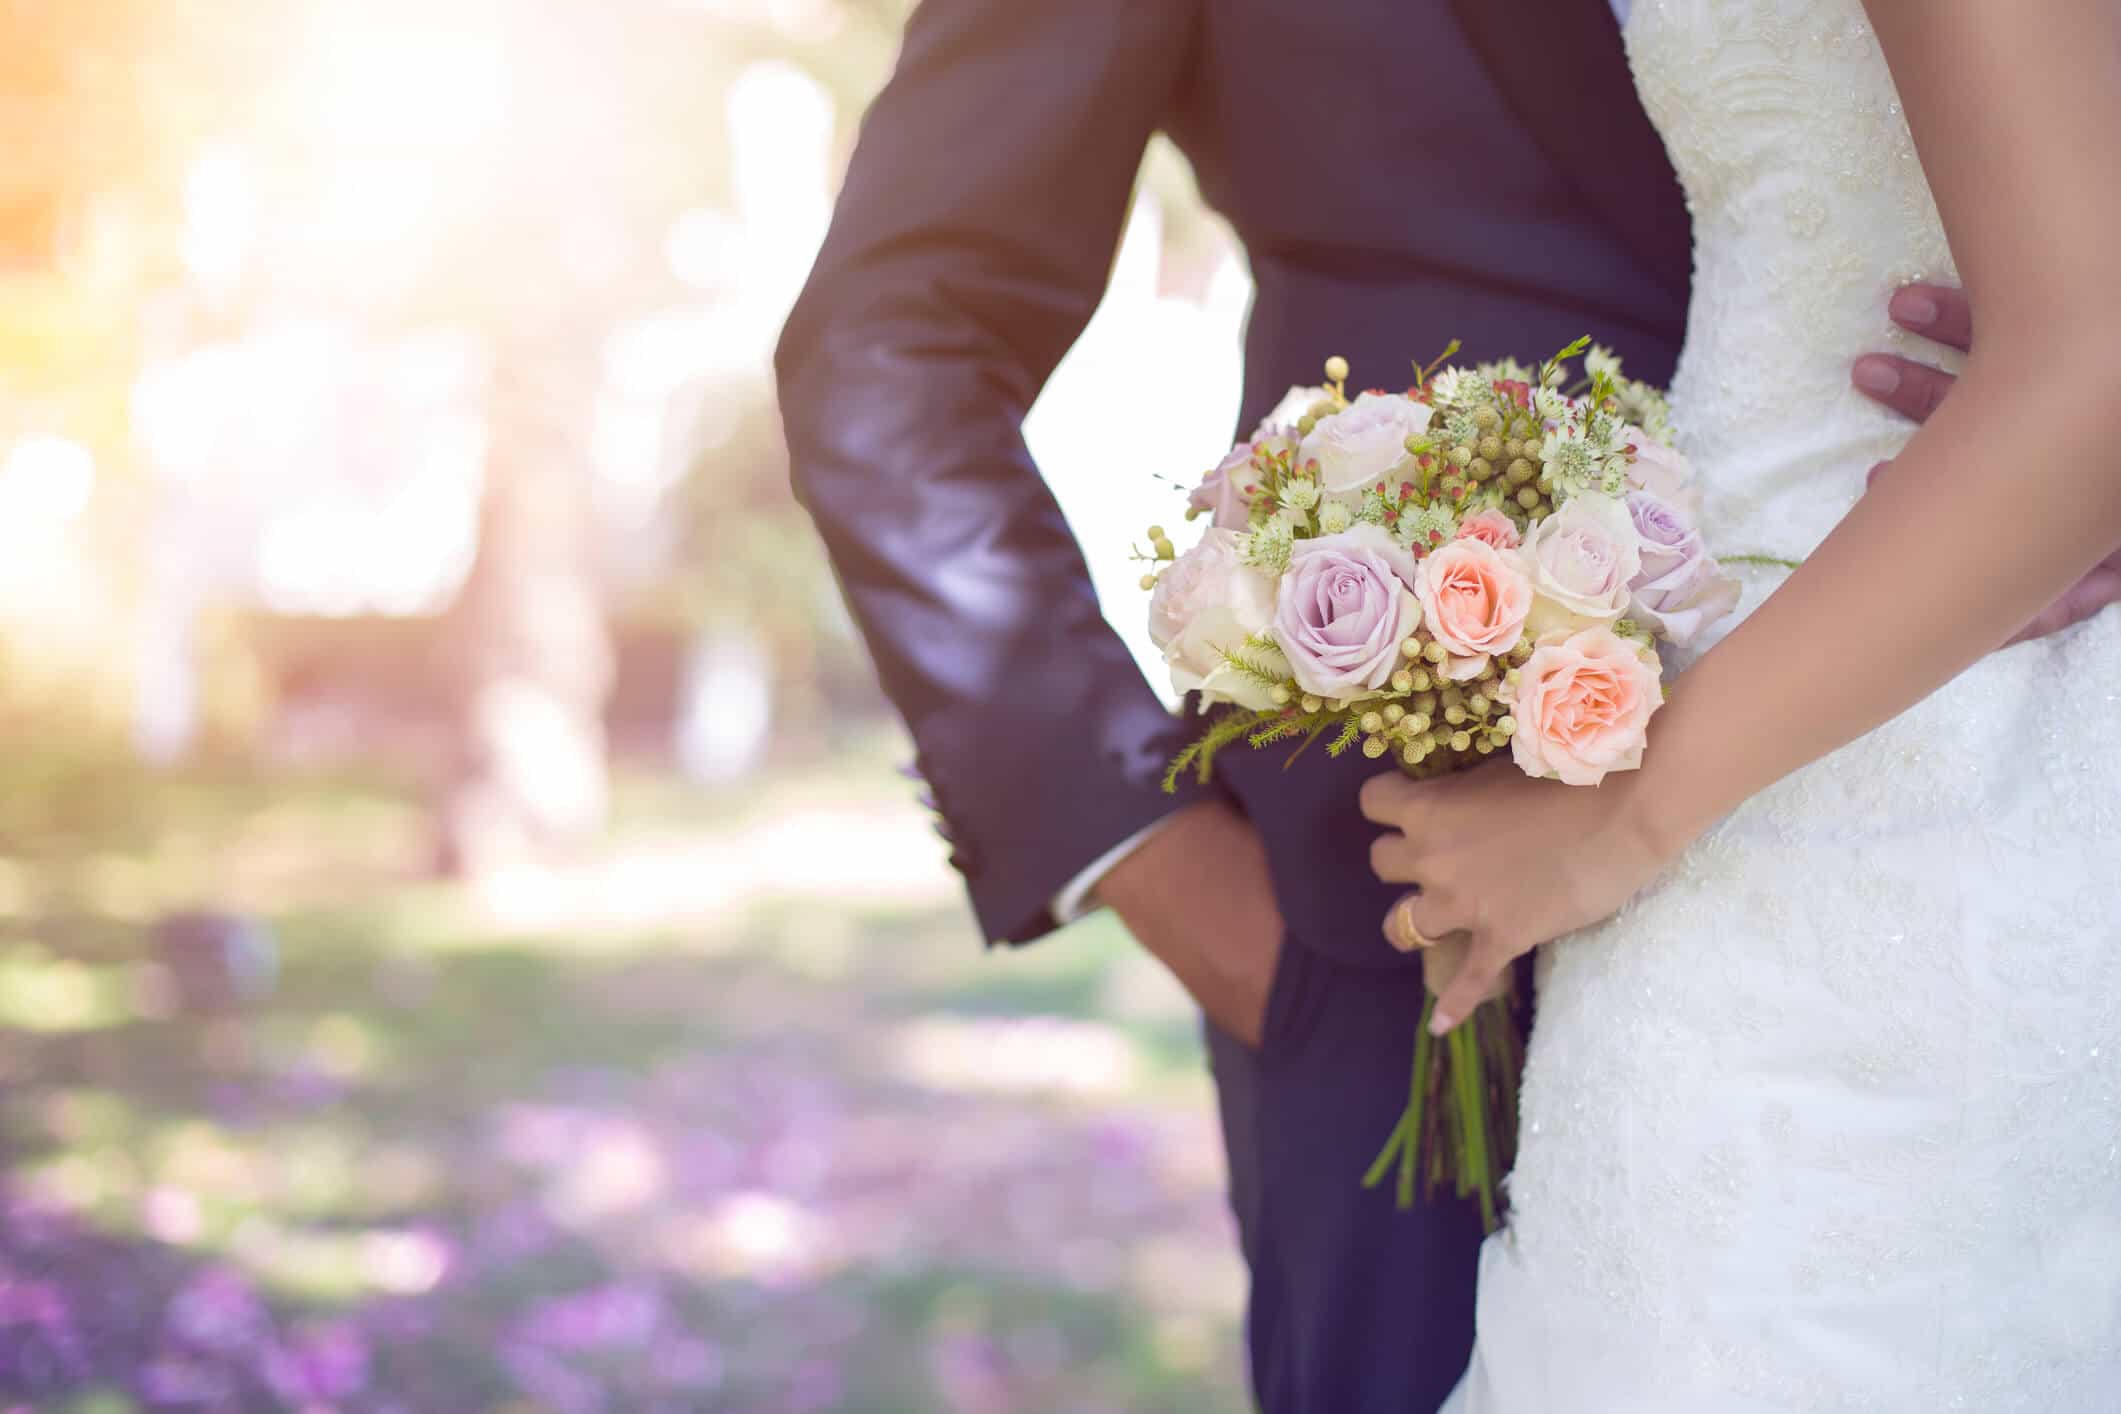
{"points": [[1915, 390], [1198, 896], [1939, 313]]}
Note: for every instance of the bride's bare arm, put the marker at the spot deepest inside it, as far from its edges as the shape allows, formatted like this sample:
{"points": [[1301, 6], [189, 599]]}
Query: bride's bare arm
{"points": [[2015, 109]]}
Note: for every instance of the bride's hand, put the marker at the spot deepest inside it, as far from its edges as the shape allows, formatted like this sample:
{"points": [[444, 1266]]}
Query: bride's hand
{"points": [[1509, 861], [1443, 959]]}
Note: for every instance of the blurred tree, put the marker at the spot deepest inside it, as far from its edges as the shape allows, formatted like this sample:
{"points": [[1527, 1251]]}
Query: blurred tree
{"points": [[511, 169], [553, 241], [99, 100]]}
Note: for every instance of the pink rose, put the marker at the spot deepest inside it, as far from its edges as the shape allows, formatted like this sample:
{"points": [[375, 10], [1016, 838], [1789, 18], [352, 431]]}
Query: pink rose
{"points": [[1583, 703], [1343, 609], [1222, 492], [1490, 527], [1582, 559], [1681, 589], [1474, 600], [1662, 472]]}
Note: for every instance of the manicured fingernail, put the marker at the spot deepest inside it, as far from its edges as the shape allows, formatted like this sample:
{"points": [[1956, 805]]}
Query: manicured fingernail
{"points": [[1877, 377], [1916, 310], [1441, 1022]]}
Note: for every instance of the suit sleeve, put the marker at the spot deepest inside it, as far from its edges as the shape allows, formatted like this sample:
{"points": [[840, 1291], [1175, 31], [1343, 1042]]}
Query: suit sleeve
{"points": [[971, 243]]}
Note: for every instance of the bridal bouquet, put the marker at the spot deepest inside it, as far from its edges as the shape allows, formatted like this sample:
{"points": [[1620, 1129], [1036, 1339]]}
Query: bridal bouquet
{"points": [[1482, 564]]}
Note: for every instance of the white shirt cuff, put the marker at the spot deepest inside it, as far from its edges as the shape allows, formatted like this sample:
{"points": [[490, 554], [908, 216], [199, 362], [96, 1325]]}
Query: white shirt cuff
{"points": [[1072, 901]]}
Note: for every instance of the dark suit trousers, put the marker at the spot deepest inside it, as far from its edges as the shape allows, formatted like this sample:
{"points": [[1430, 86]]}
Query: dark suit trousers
{"points": [[1356, 1306]]}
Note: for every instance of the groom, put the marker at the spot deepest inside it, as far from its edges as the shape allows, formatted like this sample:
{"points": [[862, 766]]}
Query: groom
{"points": [[1400, 174]]}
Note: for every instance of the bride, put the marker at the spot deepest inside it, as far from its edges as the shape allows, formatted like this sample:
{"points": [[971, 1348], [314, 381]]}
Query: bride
{"points": [[1828, 1116]]}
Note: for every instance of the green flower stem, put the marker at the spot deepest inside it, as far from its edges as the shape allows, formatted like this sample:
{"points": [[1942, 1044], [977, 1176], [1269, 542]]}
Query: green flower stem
{"points": [[1383, 1163], [1476, 1171], [1405, 1143], [1773, 561], [1459, 1129], [1418, 1086]]}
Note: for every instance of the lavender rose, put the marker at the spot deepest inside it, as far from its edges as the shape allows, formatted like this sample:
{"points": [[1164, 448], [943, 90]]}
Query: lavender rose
{"points": [[1364, 444], [1344, 607], [1681, 590], [1226, 493], [1221, 492], [1661, 471]]}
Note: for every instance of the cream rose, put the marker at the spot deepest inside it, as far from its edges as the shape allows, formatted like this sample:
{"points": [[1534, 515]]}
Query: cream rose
{"points": [[1582, 705], [1206, 604], [1365, 444], [1582, 559], [1282, 417]]}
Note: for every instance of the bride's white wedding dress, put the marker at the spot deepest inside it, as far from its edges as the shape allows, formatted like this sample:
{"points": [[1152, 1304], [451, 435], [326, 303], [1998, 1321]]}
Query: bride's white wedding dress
{"points": [[1830, 1119]]}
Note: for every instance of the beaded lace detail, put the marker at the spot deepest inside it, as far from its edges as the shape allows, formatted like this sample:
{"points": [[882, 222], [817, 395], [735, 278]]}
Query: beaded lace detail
{"points": [[1830, 1118]]}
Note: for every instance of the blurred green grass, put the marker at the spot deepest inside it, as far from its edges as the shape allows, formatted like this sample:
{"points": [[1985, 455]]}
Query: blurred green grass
{"points": [[780, 1138]]}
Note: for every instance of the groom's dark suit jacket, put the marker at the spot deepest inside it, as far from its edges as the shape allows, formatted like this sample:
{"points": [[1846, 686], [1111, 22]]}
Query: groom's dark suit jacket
{"points": [[1400, 173]]}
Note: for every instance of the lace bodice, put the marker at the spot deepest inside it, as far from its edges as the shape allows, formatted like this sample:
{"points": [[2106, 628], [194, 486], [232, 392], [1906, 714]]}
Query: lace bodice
{"points": [[1810, 207]]}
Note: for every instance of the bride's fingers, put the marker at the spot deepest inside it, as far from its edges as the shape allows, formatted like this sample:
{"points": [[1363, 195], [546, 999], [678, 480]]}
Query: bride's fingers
{"points": [[1479, 979], [1395, 859], [1384, 799]]}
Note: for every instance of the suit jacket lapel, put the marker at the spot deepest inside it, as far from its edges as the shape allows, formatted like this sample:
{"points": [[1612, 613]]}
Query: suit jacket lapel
{"points": [[1563, 67]]}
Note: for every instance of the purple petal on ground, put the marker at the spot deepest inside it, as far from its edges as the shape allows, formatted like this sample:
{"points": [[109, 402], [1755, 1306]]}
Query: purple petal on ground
{"points": [[549, 1382], [513, 1232], [218, 1310], [179, 1380], [326, 1361], [38, 1312], [816, 1385], [686, 1362], [618, 1315]]}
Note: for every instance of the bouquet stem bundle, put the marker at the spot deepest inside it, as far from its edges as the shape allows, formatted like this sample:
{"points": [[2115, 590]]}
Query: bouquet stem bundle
{"points": [[1458, 1133]]}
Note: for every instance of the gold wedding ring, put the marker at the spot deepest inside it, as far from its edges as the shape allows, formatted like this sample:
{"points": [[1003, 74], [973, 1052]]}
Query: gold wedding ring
{"points": [[1403, 934]]}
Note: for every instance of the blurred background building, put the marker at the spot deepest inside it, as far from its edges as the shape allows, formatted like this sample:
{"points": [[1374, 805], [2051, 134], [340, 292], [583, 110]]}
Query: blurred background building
{"points": [[462, 942]]}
